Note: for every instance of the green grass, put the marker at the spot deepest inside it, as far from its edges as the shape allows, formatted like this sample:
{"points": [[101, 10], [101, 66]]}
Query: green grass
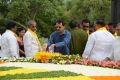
{"points": [[7, 68], [50, 74]]}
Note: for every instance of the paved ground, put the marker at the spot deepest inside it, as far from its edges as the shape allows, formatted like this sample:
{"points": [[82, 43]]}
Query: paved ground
{"points": [[80, 69]]}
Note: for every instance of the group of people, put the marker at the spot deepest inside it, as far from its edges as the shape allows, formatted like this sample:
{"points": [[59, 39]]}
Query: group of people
{"points": [[95, 43]]}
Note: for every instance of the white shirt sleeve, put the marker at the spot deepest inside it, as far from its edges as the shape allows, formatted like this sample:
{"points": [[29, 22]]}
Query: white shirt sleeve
{"points": [[0, 39], [89, 46], [13, 46]]}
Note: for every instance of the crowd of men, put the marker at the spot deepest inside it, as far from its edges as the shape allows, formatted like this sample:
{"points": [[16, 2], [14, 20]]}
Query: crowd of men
{"points": [[95, 42]]}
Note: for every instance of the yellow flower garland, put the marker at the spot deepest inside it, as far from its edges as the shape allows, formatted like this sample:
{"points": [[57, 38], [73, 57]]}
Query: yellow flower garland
{"points": [[48, 55]]}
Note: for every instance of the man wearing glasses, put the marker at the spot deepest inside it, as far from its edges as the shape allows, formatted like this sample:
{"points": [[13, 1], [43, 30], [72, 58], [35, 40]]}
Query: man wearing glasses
{"points": [[60, 39], [85, 25]]}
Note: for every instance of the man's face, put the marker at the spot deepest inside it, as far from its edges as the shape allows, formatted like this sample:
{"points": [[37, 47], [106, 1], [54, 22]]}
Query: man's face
{"points": [[112, 29], [85, 26], [14, 29], [96, 26], [33, 26], [59, 27], [118, 30], [91, 30], [21, 33]]}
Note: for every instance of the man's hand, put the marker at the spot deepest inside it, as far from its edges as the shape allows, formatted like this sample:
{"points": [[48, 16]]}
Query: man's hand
{"points": [[52, 46], [107, 59]]}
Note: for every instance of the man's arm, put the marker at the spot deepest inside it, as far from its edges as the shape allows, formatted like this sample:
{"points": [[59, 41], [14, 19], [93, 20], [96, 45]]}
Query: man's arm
{"points": [[13, 46], [27, 43], [65, 41], [50, 41], [89, 46]]}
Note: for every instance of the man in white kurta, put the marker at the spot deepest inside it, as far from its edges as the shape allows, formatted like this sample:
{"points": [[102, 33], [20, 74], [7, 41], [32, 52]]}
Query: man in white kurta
{"points": [[9, 45], [116, 51], [0, 45], [31, 42], [100, 44]]}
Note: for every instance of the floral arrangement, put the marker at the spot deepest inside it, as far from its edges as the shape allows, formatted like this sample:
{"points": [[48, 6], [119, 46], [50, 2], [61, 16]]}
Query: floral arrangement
{"points": [[76, 59], [65, 59], [48, 57], [1, 62], [45, 56], [13, 59]]}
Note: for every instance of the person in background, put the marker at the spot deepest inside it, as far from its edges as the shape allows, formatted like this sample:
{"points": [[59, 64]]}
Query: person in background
{"points": [[100, 43], [60, 39], [78, 39], [31, 41], [0, 45], [116, 51], [20, 33], [85, 25], [112, 28], [91, 29], [9, 45]]}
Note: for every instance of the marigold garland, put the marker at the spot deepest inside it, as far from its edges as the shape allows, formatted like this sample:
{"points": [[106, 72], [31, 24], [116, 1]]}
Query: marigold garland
{"points": [[43, 56]]}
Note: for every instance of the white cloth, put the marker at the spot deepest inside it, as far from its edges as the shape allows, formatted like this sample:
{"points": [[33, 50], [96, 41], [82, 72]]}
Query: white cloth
{"points": [[9, 45], [30, 45], [99, 45], [0, 39], [0, 45], [116, 52]]}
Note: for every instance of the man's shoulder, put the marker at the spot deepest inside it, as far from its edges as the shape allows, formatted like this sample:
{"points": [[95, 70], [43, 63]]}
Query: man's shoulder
{"points": [[53, 33], [67, 32], [8, 34], [27, 33]]}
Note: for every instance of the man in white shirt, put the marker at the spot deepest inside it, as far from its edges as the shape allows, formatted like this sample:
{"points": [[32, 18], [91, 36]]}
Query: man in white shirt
{"points": [[31, 41], [116, 52], [0, 45], [100, 43], [9, 45]]}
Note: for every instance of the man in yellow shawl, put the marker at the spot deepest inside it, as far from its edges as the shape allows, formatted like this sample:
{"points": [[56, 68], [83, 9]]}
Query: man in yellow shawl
{"points": [[31, 41]]}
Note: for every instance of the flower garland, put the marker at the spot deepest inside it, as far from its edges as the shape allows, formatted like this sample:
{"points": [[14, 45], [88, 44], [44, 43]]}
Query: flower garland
{"points": [[72, 59], [44, 56], [47, 57]]}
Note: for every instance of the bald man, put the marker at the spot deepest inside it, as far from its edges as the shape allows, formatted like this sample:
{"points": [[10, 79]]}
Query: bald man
{"points": [[31, 41]]}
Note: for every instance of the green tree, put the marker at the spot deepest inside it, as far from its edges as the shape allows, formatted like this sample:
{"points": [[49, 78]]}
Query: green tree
{"points": [[90, 9], [45, 12]]}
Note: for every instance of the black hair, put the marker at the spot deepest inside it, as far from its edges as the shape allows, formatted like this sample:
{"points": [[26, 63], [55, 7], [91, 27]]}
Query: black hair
{"points": [[118, 25], [85, 21], [20, 29], [60, 21], [100, 21], [10, 24], [73, 24], [114, 24]]}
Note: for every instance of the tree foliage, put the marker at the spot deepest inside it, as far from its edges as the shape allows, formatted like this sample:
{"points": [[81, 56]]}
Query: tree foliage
{"points": [[90, 9], [46, 12]]}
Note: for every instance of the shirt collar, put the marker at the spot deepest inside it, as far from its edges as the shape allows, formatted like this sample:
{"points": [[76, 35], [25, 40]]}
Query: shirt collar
{"points": [[11, 32], [62, 33]]}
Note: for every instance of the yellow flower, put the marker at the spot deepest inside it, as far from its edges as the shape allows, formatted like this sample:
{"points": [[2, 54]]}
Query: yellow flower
{"points": [[48, 55]]}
